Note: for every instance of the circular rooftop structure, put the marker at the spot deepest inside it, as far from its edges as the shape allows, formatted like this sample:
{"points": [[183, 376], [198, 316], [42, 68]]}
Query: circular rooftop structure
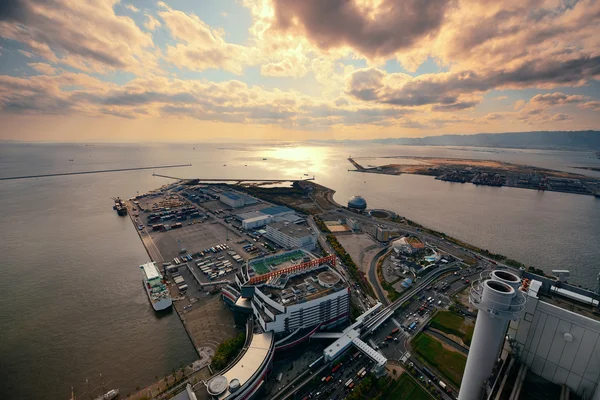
{"points": [[234, 385], [328, 278], [357, 203], [217, 385]]}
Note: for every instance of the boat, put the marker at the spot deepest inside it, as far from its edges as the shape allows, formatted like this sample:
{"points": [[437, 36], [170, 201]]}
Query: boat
{"points": [[70, 159], [264, 159], [110, 395], [120, 206], [155, 286]]}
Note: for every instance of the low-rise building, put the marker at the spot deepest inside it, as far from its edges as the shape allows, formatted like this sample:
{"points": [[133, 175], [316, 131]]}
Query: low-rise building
{"points": [[232, 199], [256, 221], [382, 233], [353, 224], [292, 235]]}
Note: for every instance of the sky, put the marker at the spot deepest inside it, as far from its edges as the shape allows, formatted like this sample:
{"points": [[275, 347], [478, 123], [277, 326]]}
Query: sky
{"points": [[193, 70]]}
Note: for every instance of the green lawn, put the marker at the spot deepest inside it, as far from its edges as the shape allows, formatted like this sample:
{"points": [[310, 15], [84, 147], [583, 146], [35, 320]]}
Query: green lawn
{"points": [[449, 363], [454, 324], [261, 268], [406, 388]]}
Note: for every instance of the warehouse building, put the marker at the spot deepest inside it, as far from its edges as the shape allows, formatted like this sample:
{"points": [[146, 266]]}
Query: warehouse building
{"points": [[292, 235], [258, 219], [232, 199]]}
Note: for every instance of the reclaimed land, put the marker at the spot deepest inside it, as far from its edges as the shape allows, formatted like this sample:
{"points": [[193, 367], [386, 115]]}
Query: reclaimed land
{"points": [[447, 361], [489, 173]]}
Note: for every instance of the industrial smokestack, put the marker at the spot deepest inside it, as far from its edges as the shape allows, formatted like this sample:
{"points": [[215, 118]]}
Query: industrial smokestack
{"points": [[498, 300]]}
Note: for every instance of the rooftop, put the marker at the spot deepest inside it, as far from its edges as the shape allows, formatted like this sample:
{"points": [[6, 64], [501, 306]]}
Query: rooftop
{"points": [[293, 230], [249, 215], [231, 195], [275, 210], [246, 367], [288, 290]]}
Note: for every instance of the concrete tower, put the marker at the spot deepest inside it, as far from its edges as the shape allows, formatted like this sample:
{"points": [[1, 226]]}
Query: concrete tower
{"points": [[498, 300]]}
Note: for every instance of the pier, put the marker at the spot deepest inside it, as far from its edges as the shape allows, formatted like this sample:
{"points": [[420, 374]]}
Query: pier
{"points": [[101, 171]]}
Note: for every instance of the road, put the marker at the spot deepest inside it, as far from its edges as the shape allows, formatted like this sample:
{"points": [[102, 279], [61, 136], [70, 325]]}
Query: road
{"points": [[149, 244], [373, 276]]}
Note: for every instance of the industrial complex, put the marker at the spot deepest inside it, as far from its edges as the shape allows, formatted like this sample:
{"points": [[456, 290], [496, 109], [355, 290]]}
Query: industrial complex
{"points": [[330, 302]]}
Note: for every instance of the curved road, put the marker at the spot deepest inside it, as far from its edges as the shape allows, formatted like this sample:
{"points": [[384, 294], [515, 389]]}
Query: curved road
{"points": [[373, 276]]}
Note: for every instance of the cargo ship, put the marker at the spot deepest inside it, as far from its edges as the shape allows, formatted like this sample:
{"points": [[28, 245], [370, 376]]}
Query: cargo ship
{"points": [[120, 206], [155, 286]]}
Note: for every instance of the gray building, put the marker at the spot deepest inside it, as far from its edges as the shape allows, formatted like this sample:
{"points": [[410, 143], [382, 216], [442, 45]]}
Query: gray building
{"points": [[291, 235], [559, 340]]}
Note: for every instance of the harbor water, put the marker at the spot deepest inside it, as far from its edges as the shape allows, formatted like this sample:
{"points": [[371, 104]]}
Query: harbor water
{"points": [[73, 304]]}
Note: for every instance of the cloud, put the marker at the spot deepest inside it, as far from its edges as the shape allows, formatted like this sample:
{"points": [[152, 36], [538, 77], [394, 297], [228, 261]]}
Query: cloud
{"points": [[131, 7], [200, 47], [595, 105], [152, 23], [371, 30], [515, 33], [519, 104], [230, 101], [557, 99], [560, 117], [501, 98], [283, 68], [53, 29], [494, 117], [455, 106], [44, 68], [376, 85]]}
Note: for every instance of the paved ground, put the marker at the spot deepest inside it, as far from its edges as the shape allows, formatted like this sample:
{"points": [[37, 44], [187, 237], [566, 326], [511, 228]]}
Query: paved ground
{"points": [[361, 247], [209, 323]]}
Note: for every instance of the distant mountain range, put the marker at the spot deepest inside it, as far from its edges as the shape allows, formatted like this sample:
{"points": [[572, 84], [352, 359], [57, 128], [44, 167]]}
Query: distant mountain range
{"points": [[566, 140]]}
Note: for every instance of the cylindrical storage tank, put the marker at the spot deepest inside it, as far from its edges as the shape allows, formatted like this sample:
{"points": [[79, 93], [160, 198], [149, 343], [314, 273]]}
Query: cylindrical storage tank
{"points": [[487, 337]]}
